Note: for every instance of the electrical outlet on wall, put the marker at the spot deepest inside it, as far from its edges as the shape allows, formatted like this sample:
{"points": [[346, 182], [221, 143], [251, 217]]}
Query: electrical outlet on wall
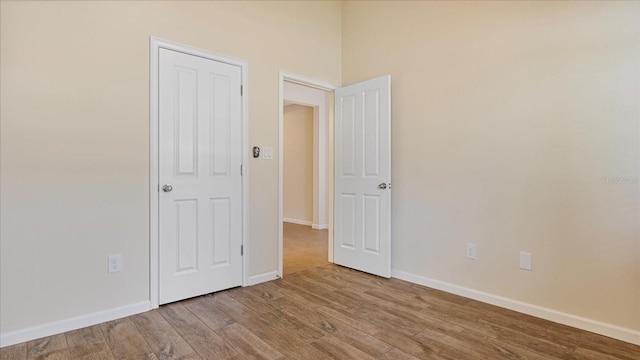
{"points": [[115, 263], [472, 251], [525, 261]]}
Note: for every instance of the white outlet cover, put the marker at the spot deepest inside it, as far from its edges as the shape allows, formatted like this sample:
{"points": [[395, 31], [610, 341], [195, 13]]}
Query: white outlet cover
{"points": [[114, 263], [472, 251], [525, 261]]}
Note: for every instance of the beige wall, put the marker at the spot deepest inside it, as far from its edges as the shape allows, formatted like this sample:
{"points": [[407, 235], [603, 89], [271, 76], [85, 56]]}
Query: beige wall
{"points": [[75, 137], [298, 163], [506, 118]]}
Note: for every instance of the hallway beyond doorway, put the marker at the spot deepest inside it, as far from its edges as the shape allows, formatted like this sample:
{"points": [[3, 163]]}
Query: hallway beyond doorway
{"points": [[304, 247]]}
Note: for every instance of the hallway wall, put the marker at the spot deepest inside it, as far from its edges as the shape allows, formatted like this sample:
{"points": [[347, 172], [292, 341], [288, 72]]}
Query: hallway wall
{"points": [[298, 164]]}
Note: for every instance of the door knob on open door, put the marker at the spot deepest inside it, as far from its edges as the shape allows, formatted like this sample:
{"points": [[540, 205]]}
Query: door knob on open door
{"points": [[382, 186], [167, 188]]}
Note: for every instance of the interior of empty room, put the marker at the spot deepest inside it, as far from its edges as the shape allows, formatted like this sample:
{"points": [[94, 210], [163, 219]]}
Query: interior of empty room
{"points": [[515, 127]]}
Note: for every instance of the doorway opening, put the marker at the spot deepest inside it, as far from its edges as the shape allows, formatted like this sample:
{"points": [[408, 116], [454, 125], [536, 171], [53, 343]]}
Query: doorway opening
{"points": [[305, 173], [304, 234]]}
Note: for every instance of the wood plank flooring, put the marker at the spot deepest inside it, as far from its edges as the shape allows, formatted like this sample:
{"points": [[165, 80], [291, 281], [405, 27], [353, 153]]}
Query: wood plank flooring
{"points": [[326, 312], [303, 248]]}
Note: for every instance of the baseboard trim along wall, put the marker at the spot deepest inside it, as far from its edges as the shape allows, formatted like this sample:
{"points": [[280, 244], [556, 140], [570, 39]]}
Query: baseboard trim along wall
{"points": [[594, 326], [613, 331], [308, 223], [58, 327], [61, 326], [297, 221], [260, 278]]}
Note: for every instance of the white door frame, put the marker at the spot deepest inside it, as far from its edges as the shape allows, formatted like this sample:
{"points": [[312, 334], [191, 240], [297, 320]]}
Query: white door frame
{"points": [[328, 125], [154, 261]]}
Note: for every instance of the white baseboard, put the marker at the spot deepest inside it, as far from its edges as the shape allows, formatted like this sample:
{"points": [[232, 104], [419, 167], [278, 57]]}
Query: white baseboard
{"points": [[307, 223], [260, 278], [58, 327], [613, 331], [297, 221]]}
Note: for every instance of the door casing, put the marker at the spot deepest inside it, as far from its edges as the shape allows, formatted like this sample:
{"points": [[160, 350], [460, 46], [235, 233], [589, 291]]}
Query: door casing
{"points": [[154, 45]]}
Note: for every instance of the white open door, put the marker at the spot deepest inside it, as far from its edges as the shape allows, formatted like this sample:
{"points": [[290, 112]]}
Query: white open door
{"points": [[362, 203], [200, 154]]}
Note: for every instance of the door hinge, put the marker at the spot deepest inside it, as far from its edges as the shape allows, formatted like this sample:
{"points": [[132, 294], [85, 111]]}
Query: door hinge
{"points": [[241, 90], [241, 170], [158, 187], [241, 250]]}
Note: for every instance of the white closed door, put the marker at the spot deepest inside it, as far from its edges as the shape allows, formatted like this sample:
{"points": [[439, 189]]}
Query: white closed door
{"points": [[200, 137], [362, 204]]}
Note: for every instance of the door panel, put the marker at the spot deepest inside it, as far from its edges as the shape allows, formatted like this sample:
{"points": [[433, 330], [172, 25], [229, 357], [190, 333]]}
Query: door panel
{"points": [[348, 135], [221, 89], [362, 214], [186, 235], [221, 231], [371, 133], [372, 224], [186, 130], [348, 220], [200, 156]]}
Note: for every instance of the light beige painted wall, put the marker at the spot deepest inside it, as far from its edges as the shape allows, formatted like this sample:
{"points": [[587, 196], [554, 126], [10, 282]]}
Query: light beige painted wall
{"points": [[298, 163], [75, 137], [507, 116]]}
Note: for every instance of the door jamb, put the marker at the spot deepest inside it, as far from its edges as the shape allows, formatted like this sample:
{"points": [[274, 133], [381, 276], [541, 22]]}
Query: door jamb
{"points": [[321, 85], [155, 44]]}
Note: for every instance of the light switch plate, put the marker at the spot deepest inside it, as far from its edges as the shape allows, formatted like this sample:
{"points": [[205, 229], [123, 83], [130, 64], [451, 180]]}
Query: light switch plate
{"points": [[267, 153]]}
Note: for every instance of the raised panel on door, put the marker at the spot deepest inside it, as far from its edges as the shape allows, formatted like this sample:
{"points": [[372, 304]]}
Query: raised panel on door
{"points": [[220, 116], [200, 137], [348, 138], [371, 130], [348, 221], [362, 184], [371, 226], [220, 232], [186, 142], [186, 236]]}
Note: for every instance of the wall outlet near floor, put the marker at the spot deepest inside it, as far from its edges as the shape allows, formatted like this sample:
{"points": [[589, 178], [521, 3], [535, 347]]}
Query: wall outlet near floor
{"points": [[525, 261], [472, 251], [115, 263]]}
